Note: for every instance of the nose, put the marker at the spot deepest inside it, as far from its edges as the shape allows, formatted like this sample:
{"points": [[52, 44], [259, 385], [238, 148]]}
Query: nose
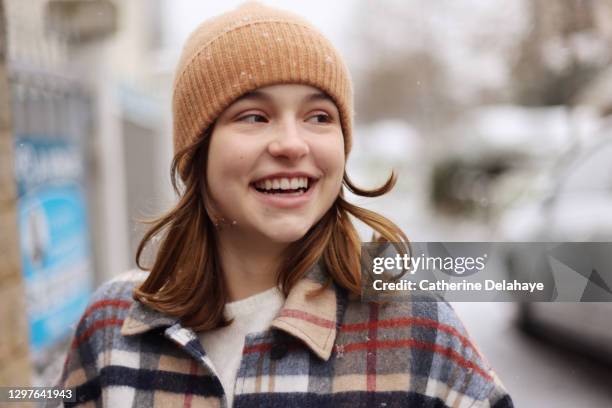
{"points": [[288, 141]]}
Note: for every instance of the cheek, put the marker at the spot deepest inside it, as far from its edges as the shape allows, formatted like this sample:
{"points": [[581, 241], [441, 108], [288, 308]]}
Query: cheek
{"points": [[224, 170], [330, 157], [227, 158]]}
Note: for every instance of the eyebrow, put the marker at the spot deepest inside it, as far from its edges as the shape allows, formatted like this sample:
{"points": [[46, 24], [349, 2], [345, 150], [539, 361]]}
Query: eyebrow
{"points": [[262, 96]]}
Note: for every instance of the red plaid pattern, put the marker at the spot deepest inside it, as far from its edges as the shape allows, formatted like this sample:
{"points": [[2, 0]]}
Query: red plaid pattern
{"points": [[322, 351]]}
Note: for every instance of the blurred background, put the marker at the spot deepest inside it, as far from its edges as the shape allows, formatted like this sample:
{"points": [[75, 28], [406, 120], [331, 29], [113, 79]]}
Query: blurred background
{"points": [[496, 115]]}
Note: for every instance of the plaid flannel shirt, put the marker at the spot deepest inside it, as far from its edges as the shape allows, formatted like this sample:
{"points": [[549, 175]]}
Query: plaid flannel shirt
{"points": [[320, 352]]}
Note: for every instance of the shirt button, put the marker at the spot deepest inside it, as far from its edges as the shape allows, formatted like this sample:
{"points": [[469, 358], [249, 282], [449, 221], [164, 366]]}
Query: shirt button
{"points": [[278, 351]]}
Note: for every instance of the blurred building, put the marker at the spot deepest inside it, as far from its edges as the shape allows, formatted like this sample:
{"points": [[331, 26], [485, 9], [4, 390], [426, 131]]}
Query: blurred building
{"points": [[84, 146], [15, 366]]}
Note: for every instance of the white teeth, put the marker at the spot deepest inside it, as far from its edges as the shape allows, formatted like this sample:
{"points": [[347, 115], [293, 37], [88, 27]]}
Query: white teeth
{"points": [[283, 183]]}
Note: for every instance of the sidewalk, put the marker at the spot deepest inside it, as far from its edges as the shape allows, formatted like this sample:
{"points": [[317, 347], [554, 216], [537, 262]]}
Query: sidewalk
{"points": [[535, 374]]}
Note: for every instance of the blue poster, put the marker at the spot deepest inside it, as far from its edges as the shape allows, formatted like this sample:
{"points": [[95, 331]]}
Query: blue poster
{"points": [[54, 236]]}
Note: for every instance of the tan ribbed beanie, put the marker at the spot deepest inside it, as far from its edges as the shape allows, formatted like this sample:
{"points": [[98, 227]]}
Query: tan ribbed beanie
{"points": [[248, 48]]}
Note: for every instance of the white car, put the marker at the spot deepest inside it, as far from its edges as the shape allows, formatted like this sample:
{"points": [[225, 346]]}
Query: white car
{"points": [[578, 209]]}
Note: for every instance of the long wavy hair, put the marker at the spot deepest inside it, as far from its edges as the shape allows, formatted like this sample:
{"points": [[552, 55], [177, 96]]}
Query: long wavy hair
{"points": [[186, 280]]}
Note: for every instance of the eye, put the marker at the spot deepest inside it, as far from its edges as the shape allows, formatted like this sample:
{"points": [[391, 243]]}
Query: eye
{"points": [[253, 118], [321, 117]]}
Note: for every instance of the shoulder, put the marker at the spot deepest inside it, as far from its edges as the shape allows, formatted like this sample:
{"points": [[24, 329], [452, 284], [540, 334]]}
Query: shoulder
{"points": [[425, 340], [108, 306], [114, 297], [120, 287], [424, 312], [98, 330]]}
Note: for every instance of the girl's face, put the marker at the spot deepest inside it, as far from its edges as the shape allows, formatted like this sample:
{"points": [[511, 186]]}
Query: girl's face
{"points": [[275, 162]]}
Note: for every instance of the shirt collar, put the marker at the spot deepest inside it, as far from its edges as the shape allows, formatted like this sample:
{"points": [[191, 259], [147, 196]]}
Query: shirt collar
{"points": [[311, 320]]}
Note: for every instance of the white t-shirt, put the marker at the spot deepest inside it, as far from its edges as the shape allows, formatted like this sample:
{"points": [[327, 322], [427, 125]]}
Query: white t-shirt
{"points": [[224, 345]]}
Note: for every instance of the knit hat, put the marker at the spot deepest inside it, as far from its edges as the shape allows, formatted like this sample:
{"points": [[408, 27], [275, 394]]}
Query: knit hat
{"points": [[249, 48]]}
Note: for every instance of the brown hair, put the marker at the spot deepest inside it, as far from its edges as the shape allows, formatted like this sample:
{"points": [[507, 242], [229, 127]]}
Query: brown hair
{"points": [[186, 278]]}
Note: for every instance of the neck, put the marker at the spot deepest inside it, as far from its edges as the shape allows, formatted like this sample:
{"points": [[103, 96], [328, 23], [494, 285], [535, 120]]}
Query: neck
{"points": [[249, 264]]}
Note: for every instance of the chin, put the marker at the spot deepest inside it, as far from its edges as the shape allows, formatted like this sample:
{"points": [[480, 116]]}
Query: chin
{"points": [[287, 234]]}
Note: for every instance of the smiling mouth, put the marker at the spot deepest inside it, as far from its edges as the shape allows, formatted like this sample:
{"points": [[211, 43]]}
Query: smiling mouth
{"points": [[284, 186]]}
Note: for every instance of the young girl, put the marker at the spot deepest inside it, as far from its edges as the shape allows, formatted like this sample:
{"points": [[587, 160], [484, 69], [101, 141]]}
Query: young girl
{"points": [[253, 298]]}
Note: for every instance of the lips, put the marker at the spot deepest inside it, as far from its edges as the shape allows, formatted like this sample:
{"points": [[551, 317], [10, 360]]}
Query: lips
{"points": [[285, 174]]}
